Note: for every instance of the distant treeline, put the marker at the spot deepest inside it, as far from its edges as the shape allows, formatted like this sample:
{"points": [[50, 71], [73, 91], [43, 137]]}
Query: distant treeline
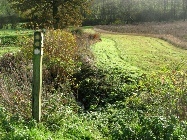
{"points": [[129, 11], [102, 12]]}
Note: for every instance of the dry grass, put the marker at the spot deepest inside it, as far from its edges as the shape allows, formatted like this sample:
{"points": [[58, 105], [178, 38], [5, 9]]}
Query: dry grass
{"points": [[173, 32]]}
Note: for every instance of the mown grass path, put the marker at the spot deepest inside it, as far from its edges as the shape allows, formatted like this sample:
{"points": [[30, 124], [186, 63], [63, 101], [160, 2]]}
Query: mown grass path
{"points": [[138, 52]]}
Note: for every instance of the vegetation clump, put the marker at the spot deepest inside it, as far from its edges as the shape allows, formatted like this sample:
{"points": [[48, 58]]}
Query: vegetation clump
{"points": [[120, 83], [91, 92]]}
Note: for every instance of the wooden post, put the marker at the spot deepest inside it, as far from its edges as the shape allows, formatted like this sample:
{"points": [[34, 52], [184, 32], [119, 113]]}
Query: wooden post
{"points": [[37, 75]]}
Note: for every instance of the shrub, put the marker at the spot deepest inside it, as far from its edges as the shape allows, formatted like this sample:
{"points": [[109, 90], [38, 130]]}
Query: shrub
{"points": [[125, 124], [61, 54], [165, 94], [95, 36], [60, 58], [77, 31], [98, 87], [15, 84], [60, 62]]}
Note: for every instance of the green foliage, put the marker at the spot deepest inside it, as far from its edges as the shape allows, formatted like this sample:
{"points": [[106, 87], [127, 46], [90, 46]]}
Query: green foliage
{"points": [[52, 14], [129, 12], [59, 64], [69, 125], [114, 77], [59, 108], [123, 123], [60, 56], [16, 128], [7, 15], [61, 53], [12, 40], [16, 38], [5, 9], [64, 124], [77, 31], [4, 50], [122, 102], [99, 87], [166, 92], [9, 40]]}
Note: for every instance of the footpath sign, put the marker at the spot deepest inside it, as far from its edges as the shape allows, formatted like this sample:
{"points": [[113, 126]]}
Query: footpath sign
{"points": [[37, 75]]}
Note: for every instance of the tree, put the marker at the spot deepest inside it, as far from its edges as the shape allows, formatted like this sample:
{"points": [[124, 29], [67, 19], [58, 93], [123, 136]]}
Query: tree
{"points": [[5, 9], [184, 9], [7, 15], [52, 13]]}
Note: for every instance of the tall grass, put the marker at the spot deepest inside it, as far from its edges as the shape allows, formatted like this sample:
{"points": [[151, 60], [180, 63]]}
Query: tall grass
{"points": [[173, 32]]}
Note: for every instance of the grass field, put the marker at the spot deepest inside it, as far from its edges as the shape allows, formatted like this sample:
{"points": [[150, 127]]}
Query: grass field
{"points": [[11, 35], [144, 53], [173, 32], [14, 32], [4, 50]]}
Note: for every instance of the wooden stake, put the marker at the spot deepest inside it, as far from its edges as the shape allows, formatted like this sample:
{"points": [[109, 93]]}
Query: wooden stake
{"points": [[37, 76]]}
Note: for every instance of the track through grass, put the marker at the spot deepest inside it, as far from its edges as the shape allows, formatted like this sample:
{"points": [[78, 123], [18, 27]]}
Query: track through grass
{"points": [[138, 52]]}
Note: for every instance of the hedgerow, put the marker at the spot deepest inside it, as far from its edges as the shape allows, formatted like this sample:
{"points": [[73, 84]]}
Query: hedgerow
{"points": [[81, 101]]}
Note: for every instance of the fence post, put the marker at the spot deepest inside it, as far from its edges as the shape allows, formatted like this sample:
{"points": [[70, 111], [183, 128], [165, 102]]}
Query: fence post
{"points": [[37, 75]]}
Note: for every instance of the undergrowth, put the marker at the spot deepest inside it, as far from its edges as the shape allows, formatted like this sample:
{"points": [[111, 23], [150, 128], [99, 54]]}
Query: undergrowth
{"points": [[84, 102]]}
